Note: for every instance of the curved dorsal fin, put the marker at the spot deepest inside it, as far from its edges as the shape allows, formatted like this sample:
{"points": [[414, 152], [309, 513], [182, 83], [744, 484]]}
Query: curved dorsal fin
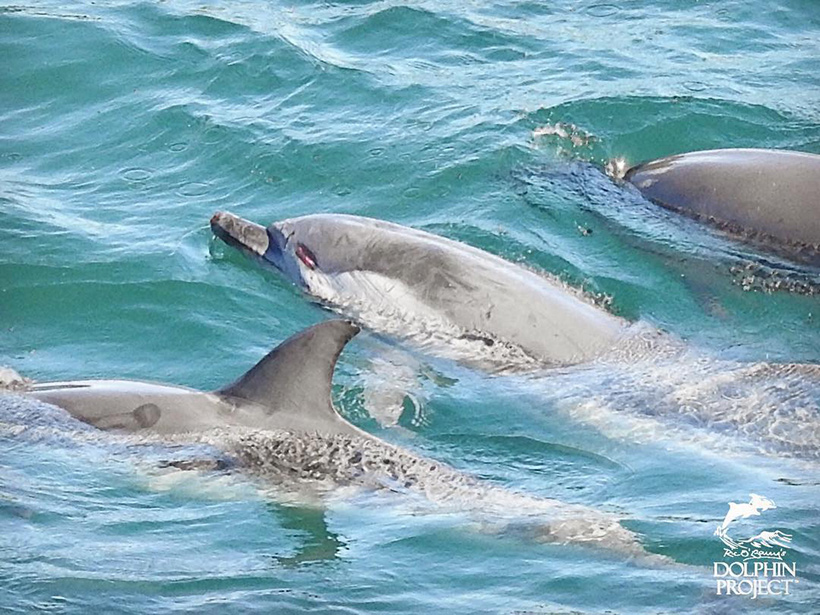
{"points": [[293, 381]]}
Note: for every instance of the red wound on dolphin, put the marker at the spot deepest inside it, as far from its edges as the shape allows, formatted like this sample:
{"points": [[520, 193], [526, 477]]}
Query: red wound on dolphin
{"points": [[306, 256]]}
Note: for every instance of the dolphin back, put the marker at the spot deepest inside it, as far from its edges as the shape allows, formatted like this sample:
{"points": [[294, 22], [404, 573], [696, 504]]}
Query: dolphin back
{"points": [[289, 390], [768, 194]]}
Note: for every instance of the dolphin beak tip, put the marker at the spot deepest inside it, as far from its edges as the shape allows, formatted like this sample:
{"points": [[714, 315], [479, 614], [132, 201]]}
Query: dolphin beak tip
{"points": [[218, 223], [240, 233]]}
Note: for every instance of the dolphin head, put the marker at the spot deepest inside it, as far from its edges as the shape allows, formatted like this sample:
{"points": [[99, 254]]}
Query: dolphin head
{"points": [[301, 248], [270, 245]]}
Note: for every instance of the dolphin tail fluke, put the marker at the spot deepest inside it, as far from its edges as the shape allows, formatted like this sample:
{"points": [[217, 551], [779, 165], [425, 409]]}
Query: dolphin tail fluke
{"points": [[295, 377]]}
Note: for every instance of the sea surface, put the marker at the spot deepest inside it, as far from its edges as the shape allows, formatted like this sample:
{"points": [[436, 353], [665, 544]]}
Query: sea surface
{"points": [[125, 125]]}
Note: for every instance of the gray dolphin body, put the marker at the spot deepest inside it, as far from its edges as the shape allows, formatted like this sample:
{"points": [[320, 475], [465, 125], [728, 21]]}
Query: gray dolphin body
{"points": [[474, 306], [289, 389], [769, 195], [278, 421]]}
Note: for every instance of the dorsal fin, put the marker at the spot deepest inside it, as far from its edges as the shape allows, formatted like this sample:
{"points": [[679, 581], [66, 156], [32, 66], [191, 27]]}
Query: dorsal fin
{"points": [[293, 381]]}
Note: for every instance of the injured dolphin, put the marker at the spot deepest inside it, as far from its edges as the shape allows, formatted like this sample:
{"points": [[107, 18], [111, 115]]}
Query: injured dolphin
{"points": [[770, 196], [445, 296], [278, 421]]}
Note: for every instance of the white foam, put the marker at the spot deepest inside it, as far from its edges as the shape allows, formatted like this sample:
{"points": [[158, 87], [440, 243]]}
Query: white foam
{"points": [[10, 380], [690, 399]]}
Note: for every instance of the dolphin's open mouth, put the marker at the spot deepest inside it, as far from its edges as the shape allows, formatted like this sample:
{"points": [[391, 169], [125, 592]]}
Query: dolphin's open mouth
{"points": [[240, 233]]}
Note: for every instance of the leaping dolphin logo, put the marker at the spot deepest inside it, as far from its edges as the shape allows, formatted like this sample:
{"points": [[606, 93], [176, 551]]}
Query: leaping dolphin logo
{"points": [[756, 505]]}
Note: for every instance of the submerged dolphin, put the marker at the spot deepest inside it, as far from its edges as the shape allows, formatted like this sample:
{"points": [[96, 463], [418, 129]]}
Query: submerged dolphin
{"points": [[466, 303], [772, 196], [278, 421]]}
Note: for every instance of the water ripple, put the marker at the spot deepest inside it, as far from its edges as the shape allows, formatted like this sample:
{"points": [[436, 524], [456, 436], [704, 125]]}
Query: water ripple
{"points": [[127, 125]]}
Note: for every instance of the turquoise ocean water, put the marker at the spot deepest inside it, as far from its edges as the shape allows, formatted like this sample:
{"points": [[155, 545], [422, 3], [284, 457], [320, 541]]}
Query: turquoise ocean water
{"points": [[125, 125]]}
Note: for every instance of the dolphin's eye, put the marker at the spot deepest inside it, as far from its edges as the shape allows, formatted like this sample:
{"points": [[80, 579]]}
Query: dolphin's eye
{"points": [[306, 256]]}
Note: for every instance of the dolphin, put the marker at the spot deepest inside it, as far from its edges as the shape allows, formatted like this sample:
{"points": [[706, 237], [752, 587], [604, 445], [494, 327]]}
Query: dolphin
{"points": [[451, 298], [277, 421], [770, 196], [288, 389]]}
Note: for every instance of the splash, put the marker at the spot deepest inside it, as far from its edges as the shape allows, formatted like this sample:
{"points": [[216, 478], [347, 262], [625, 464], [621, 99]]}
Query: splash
{"points": [[753, 276], [10, 380], [616, 168], [562, 130]]}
